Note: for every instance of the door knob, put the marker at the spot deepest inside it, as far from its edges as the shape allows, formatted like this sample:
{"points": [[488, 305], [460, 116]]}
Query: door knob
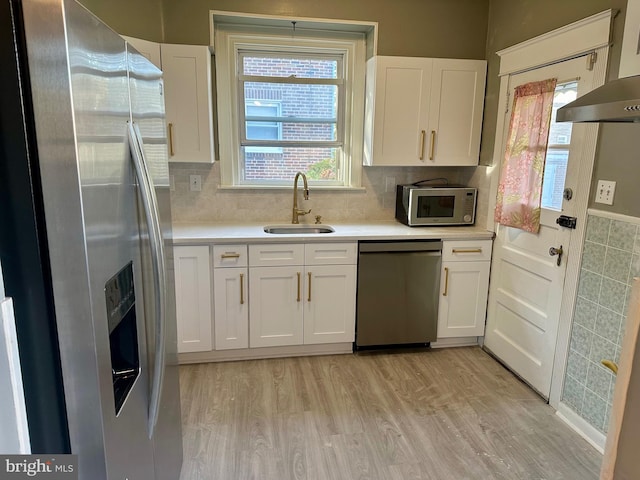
{"points": [[553, 251]]}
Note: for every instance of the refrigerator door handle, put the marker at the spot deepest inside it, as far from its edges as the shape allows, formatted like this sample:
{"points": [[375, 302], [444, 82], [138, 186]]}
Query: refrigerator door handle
{"points": [[150, 206]]}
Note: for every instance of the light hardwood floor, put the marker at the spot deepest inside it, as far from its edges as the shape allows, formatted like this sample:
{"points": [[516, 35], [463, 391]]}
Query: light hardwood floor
{"points": [[444, 414]]}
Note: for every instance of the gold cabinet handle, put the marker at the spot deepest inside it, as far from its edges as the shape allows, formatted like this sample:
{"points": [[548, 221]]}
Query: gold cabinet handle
{"points": [[422, 135], [433, 144], [613, 366], [230, 255], [309, 296], [298, 299], [171, 140], [466, 250], [242, 289], [446, 281]]}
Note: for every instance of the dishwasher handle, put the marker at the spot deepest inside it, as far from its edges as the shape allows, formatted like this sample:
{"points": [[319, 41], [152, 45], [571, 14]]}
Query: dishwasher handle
{"points": [[409, 246]]}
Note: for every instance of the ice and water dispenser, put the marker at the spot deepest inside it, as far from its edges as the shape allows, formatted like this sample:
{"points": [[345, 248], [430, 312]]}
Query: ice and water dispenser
{"points": [[123, 333]]}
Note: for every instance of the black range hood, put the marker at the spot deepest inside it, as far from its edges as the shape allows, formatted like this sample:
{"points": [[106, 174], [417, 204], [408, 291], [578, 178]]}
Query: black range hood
{"points": [[616, 101]]}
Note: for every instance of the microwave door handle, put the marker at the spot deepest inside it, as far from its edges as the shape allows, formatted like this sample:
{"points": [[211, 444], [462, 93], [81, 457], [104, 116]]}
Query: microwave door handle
{"points": [[156, 241]]}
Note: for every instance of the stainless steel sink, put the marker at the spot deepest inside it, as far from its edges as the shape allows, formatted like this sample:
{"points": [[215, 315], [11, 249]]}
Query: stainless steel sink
{"points": [[297, 229]]}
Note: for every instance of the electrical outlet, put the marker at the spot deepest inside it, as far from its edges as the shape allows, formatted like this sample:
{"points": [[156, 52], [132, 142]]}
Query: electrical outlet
{"points": [[605, 192], [195, 183]]}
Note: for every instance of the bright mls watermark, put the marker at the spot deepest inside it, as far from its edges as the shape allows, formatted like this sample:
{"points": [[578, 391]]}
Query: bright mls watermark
{"points": [[51, 467]]}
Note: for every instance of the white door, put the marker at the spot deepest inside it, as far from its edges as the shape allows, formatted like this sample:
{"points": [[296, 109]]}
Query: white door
{"points": [[526, 287]]}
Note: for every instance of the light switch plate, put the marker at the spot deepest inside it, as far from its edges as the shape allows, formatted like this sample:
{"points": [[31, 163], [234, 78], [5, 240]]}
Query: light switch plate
{"points": [[605, 191], [195, 183]]}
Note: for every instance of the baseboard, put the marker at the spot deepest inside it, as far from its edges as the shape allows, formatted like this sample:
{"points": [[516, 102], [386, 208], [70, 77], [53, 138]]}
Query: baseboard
{"points": [[455, 342], [265, 352], [595, 438]]}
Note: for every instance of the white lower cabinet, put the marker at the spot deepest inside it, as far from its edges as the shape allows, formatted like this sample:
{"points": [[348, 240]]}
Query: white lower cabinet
{"points": [[330, 306], [193, 298], [275, 295], [464, 287], [301, 294], [231, 308], [231, 300]]}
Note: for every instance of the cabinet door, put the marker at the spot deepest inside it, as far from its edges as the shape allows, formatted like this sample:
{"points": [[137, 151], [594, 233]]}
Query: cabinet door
{"points": [[330, 304], [231, 308], [275, 301], [463, 299], [630, 57], [193, 298], [187, 81], [455, 116], [398, 106], [149, 50]]}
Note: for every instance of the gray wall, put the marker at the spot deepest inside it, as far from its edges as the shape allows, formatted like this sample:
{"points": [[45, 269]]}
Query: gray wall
{"points": [[135, 18], [436, 28], [428, 28]]}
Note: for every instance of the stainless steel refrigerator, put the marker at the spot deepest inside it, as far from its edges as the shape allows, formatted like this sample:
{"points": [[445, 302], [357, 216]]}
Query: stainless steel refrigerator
{"points": [[85, 241]]}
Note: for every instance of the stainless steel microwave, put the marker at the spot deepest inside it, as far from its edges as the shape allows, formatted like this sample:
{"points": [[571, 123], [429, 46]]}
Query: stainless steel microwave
{"points": [[435, 205]]}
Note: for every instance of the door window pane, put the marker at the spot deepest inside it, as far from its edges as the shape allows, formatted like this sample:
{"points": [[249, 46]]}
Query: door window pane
{"points": [[555, 168]]}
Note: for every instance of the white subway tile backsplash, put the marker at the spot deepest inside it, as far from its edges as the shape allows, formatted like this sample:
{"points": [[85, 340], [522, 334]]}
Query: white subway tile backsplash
{"points": [[373, 202]]}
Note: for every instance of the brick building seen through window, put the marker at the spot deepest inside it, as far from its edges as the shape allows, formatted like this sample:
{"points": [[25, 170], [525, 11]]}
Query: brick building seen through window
{"points": [[288, 114]]}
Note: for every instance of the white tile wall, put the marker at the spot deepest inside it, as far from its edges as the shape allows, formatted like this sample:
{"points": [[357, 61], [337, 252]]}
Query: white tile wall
{"points": [[610, 260], [213, 204]]}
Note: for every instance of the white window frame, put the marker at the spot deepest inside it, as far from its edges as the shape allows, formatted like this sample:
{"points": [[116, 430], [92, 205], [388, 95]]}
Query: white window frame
{"points": [[232, 39]]}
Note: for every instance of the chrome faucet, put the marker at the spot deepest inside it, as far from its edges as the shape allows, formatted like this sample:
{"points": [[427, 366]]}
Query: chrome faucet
{"points": [[296, 211]]}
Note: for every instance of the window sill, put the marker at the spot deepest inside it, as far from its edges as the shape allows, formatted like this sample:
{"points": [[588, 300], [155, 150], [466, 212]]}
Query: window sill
{"points": [[284, 188]]}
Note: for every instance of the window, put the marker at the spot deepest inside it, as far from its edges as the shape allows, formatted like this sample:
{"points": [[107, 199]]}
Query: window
{"points": [[295, 103], [555, 167], [258, 114]]}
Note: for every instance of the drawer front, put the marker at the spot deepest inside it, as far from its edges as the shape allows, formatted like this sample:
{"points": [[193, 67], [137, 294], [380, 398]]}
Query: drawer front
{"points": [[271, 255], [229, 256], [466, 250], [331, 253]]}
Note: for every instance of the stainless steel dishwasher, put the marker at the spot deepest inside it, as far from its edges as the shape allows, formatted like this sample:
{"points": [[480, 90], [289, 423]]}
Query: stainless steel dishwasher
{"points": [[398, 286]]}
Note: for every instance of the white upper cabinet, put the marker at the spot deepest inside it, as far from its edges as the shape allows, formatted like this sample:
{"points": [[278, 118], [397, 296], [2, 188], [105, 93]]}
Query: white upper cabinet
{"points": [[397, 110], [423, 111], [187, 80], [455, 115], [188, 97], [630, 57], [150, 50]]}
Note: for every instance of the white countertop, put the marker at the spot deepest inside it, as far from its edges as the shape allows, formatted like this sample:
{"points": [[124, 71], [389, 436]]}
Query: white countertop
{"points": [[189, 233]]}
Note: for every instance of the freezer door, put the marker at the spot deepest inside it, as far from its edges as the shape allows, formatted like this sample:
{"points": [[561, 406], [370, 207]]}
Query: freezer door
{"points": [[148, 114], [78, 69], [100, 96]]}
